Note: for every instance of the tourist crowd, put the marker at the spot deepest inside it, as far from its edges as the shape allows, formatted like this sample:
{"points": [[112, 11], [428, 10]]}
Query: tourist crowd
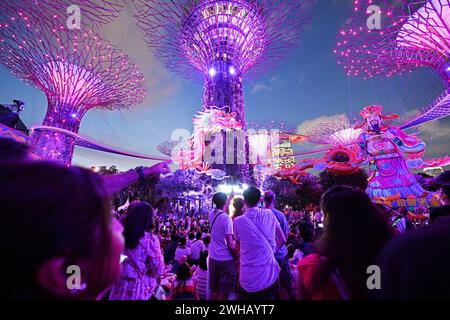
{"points": [[63, 239]]}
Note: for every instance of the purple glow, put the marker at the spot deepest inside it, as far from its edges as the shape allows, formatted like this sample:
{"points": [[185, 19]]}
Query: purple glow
{"points": [[192, 36], [212, 72], [74, 80], [222, 41]]}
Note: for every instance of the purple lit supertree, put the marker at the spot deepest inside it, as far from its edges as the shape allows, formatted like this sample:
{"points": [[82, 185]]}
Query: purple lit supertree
{"points": [[335, 131], [409, 34], [222, 41], [167, 147], [365, 49], [76, 70], [426, 35]]}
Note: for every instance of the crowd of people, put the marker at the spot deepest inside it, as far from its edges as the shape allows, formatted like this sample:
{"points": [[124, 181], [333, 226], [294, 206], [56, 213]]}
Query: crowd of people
{"points": [[57, 219]]}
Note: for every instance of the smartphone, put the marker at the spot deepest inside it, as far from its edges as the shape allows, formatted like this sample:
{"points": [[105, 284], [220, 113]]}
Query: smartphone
{"points": [[123, 258]]}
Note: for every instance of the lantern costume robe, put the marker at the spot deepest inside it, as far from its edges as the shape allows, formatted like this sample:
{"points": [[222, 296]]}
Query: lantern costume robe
{"points": [[390, 176]]}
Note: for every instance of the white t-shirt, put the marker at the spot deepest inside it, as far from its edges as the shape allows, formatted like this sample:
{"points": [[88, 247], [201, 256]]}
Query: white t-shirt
{"points": [[197, 246], [218, 249], [258, 268], [180, 252]]}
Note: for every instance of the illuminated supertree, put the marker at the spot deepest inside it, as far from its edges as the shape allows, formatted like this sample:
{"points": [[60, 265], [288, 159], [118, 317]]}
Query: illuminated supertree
{"points": [[222, 41], [393, 37], [335, 131], [426, 35], [167, 147], [76, 70]]}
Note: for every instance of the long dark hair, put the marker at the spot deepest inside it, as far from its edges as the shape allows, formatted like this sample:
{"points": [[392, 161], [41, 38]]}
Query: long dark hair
{"points": [[138, 220], [354, 233], [184, 274], [238, 205], [52, 211], [203, 263]]}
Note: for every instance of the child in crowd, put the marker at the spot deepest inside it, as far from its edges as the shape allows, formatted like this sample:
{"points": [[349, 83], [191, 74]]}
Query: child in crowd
{"points": [[184, 287], [202, 276]]}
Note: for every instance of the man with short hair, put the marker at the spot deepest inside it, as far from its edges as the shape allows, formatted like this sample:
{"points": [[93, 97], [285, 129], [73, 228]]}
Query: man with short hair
{"points": [[222, 269], [258, 236], [286, 276]]}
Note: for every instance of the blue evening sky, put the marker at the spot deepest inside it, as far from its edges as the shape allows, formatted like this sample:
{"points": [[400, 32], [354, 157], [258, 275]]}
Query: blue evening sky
{"points": [[308, 87]]}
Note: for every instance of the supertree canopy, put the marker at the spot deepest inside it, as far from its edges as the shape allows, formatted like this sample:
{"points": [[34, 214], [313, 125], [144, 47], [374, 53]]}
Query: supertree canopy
{"points": [[408, 34], [335, 131], [222, 41], [364, 49], [77, 71], [426, 34]]}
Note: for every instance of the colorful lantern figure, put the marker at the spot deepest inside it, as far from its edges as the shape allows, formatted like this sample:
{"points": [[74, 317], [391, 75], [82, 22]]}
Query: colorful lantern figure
{"points": [[387, 148]]}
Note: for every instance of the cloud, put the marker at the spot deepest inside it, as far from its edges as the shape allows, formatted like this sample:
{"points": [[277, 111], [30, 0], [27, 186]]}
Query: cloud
{"points": [[307, 125], [260, 88], [301, 79], [161, 82], [277, 82], [436, 135]]}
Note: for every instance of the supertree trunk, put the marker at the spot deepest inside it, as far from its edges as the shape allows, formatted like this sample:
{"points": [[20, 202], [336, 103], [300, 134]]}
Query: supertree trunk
{"points": [[57, 146], [222, 91], [225, 92]]}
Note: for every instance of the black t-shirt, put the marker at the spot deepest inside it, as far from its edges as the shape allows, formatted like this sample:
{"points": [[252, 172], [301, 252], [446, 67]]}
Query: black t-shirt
{"points": [[416, 265]]}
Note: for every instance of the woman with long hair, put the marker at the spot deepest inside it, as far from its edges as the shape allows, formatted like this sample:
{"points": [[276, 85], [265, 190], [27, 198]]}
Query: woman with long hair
{"points": [[59, 240], [145, 262], [239, 207], [354, 234]]}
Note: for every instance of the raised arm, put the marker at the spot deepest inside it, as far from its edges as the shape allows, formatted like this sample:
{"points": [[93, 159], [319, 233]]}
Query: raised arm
{"points": [[118, 182]]}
